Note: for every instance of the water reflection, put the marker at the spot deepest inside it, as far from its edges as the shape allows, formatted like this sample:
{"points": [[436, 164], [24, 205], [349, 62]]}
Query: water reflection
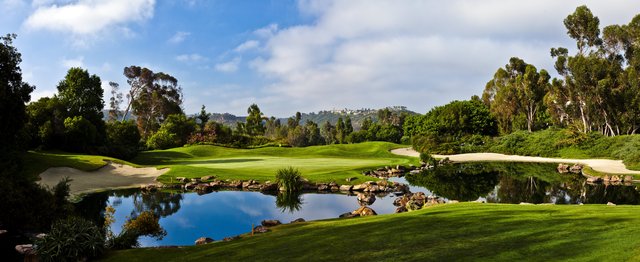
{"points": [[188, 216], [518, 182]]}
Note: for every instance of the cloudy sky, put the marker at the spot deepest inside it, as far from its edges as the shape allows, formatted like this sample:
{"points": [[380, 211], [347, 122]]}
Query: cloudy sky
{"points": [[290, 56]]}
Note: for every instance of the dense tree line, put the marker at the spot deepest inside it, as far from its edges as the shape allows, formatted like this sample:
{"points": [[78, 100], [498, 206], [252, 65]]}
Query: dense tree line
{"points": [[598, 88]]}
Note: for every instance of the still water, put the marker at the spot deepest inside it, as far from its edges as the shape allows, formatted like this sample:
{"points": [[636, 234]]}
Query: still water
{"points": [[188, 216]]}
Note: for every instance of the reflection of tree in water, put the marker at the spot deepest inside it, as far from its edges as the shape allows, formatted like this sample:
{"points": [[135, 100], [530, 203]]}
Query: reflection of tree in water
{"points": [[289, 201], [518, 182], [161, 204], [619, 194], [92, 207], [464, 182], [514, 190]]}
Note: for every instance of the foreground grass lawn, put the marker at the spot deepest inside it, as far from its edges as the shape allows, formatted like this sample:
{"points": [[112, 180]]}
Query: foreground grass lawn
{"points": [[317, 163], [468, 231]]}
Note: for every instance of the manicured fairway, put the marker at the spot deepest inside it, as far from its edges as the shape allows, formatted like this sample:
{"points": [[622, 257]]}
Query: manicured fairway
{"points": [[317, 163], [453, 232]]}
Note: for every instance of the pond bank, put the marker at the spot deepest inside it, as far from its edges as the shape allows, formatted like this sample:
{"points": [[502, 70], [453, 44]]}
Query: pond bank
{"points": [[600, 165]]}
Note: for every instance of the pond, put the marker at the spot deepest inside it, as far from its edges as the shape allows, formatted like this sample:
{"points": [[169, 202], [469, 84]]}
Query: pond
{"points": [[187, 216]]}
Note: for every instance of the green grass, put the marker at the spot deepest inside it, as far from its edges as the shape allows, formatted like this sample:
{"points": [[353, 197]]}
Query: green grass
{"points": [[36, 162], [316, 163], [466, 231]]}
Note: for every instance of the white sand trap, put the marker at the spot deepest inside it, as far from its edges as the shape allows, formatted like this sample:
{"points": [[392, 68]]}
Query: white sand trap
{"points": [[600, 165], [110, 176]]}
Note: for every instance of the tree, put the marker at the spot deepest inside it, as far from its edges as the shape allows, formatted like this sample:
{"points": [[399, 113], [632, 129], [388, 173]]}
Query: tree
{"points": [[583, 26], [174, 132], [14, 93], [152, 98], [340, 131], [328, 133], [254, 121], [313, 133], [515, 90], [594, 89], [114, 101], [122, 139], [203, 117], [348, 127]]}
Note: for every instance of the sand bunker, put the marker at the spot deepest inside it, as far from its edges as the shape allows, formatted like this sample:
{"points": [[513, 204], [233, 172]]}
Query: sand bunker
{"points": [[600, 165], [110, 176]]}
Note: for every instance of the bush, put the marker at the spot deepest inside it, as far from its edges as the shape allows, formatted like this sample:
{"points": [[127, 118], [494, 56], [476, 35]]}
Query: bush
{"points": [[146, 224], [163, 139], [290, 179], [122, 139], [71, 239]]}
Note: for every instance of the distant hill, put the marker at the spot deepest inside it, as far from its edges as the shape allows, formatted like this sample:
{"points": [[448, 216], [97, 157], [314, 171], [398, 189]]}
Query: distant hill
{"points": [[356, 115]]}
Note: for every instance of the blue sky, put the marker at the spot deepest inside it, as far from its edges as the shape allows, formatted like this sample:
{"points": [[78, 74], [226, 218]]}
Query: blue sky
{"points": [[289, 56]]}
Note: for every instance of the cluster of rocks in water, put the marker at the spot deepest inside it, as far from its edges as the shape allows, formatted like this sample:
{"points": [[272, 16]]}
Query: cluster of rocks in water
{"points": [[262, 228], [612, 180]]}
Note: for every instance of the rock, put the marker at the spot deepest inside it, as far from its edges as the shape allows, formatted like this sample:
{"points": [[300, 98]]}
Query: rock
{"points": [[270, 223], [606, 178], [615, 179], [25, 249], [366, 199], [182, 179], [412, 205], [420, 198], [202, 187], [323, 187], [255, 187], [235, 184], [610, 204], [346, 187], [207, 178], [594, 179], [246, 184], [332, 184], [359, 187], [203, 240], [189, 186], [299, 220], [453, 201], [401, 209], [227, 239], [373, 188], [401, 201], [347, 215], [260, 229], [562, 168], [628, 179], [351, 179], [2, 232], [577, 169], [525, 203], [364, 211], [335, 188], [268, 187]]}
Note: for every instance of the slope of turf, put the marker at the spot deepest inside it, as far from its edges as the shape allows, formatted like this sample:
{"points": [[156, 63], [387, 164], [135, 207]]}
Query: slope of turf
{"points": [[466, 231], [317, 163]]}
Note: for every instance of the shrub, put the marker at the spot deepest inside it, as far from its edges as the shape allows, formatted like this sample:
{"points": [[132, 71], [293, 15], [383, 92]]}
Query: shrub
{"points": [[71, 239], [163, 139], [290, 179], [122, 139]]}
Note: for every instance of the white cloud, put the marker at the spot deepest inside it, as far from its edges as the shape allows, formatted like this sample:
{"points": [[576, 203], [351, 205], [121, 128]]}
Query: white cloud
{"points": [[179, 37], [87, 17], [190, 58], [267, 31], [367, 53], [73, 62], [248, 45], [230, 66]]}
